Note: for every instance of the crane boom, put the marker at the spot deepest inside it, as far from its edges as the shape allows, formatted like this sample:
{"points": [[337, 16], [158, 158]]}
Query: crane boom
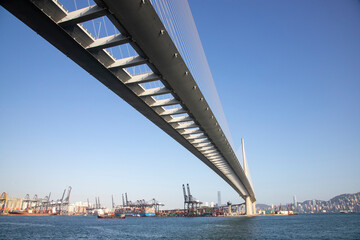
{"points": [[190, 196], [185, 196]]}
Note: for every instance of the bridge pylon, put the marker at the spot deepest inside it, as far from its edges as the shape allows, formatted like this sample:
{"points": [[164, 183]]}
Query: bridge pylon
{"points": [[250, 206]]}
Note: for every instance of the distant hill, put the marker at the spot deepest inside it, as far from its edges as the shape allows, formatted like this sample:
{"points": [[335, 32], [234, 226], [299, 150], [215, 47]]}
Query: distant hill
{"points": [[345, 196], [262, 206], [341, 203]]}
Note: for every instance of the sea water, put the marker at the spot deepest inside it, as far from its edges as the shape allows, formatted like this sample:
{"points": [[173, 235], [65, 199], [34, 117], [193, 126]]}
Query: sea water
{"points": [[315, 226]]}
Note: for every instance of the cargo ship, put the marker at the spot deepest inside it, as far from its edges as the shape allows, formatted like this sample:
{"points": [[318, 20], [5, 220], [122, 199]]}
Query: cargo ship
{"points": [[135, 211], [112, 216], [30, 213]]}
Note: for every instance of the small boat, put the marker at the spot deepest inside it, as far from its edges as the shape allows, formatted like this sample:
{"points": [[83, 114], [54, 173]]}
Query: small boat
{"points": [[292, 213]]}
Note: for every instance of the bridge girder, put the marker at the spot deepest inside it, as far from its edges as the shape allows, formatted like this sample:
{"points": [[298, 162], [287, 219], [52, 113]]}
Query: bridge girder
{"points": [[140, 26]]}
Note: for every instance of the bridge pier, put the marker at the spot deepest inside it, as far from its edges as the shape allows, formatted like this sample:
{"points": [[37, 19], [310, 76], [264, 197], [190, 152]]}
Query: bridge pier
{"points": [[248, 206]]}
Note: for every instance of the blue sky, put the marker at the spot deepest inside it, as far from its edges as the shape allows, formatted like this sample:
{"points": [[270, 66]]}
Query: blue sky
{"points": [[288, 76]]}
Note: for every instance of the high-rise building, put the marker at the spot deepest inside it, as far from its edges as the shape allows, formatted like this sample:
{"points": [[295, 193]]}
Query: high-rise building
{"points": [[219, 198], [295, 202]]}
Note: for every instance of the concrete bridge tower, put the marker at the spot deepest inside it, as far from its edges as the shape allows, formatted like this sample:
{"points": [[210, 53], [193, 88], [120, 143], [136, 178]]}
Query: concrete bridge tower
{"points": [[250, 206]]}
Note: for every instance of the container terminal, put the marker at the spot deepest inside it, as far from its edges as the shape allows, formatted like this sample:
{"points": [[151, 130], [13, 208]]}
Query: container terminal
{"points": [[35, 206], [140, 208]]}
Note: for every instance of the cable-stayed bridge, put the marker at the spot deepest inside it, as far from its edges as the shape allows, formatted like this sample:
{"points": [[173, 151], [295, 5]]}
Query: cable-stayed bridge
{"points": [[149, 54]]}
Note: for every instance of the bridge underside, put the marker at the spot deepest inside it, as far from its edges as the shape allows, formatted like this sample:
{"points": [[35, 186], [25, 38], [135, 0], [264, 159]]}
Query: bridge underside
{"points": [[191, 122]]}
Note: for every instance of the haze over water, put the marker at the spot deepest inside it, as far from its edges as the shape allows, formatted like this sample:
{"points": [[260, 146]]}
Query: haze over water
{"points": [[316, 226]]}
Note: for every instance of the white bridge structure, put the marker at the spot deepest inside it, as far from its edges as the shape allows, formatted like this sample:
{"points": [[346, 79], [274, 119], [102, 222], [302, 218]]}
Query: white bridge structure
{"points": [[160, 69]]}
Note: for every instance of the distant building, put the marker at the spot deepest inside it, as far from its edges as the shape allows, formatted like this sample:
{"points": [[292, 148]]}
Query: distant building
{"points": [[78, 208], [295, 202], [313, 203], [14, 203], [219, 198]]}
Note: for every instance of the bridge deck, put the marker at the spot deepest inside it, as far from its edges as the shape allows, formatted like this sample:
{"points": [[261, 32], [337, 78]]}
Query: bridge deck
{"points": [[190, 121]]}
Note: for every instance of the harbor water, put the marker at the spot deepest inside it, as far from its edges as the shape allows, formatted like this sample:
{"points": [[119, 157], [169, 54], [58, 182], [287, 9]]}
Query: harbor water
{"points": [[315, 226]]}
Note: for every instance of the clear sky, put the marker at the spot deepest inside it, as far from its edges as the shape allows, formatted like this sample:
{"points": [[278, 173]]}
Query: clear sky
{"points": [[288, 76]]}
